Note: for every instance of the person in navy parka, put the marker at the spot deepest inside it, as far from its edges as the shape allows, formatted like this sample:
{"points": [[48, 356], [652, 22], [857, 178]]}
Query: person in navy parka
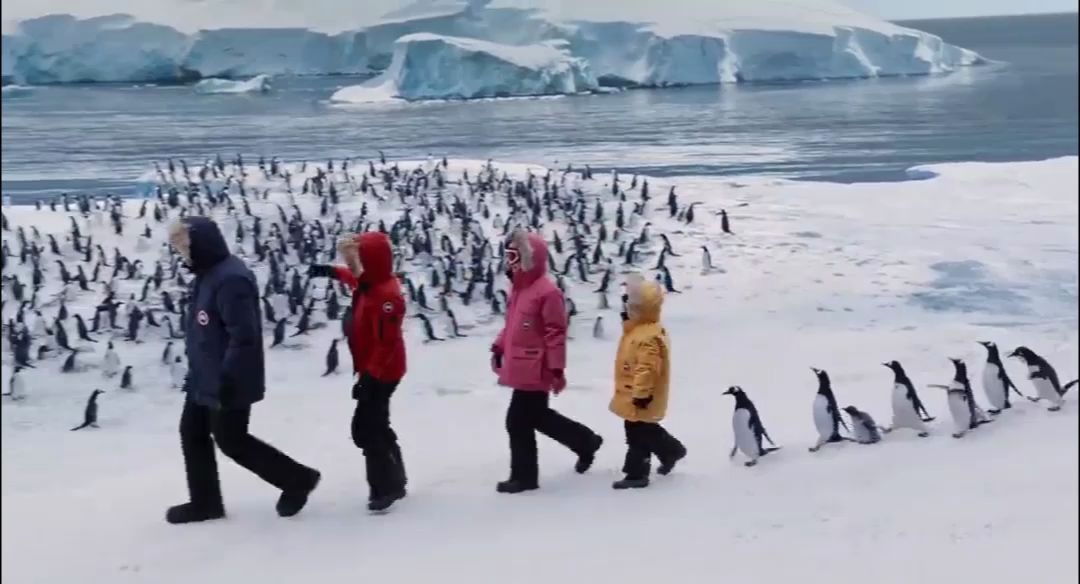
{"points": [[225, 377]]}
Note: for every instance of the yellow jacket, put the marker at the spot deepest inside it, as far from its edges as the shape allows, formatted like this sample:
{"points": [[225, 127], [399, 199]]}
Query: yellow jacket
{"points": [[643, 364]]}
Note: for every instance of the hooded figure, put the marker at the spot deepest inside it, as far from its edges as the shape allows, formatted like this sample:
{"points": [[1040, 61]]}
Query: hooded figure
{"points": [[225, 377], [642, 373], [529, 355], [377, 346]]}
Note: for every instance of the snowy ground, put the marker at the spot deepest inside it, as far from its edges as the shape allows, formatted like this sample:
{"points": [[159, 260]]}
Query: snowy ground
{"points": [[840, 277]]}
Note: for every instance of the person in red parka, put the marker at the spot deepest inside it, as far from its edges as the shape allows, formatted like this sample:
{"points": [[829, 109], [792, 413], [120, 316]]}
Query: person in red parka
{"points": [[378, 354]]}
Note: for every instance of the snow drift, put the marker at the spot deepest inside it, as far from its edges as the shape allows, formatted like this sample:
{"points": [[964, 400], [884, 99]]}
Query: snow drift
{"points": [[257, 84], [638, 42], [428, 66]]}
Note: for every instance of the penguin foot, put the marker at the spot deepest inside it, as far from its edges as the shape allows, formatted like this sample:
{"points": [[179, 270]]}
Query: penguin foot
{"points": [[814, 448], [1054, 409], [958, 435], [993, 412], [923, 434], [750, 463], [1033, 400]]}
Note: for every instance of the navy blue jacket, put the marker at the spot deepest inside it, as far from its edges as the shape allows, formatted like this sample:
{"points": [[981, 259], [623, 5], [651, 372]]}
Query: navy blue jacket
{"points": [[224, 324]]}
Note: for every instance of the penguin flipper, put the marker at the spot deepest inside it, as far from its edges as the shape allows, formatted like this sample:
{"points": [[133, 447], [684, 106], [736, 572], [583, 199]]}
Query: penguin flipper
{"points": [[80, 426], [732, 454], [1009, 383], [1069, 386]]}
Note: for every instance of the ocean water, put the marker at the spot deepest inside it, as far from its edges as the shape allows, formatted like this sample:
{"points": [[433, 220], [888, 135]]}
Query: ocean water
{"points": [[1022, 107]]}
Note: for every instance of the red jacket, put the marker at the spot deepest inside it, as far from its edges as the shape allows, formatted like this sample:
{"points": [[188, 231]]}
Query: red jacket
{"points": [[375, 339]]}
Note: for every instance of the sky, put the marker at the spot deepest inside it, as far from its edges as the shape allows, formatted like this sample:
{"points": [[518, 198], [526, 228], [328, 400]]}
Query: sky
{"points": [[339, 14]]}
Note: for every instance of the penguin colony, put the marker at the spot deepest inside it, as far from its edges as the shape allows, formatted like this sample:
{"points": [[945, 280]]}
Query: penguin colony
{"points": [[448, 232]]}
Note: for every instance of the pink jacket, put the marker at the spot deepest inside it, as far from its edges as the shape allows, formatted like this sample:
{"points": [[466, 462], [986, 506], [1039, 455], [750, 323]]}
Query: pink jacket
{"points": [[532, 343]]}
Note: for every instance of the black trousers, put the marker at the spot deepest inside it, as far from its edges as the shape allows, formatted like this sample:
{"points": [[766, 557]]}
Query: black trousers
{"points": [[644, 439], [528, 414], [371, 432], [201, 427]]}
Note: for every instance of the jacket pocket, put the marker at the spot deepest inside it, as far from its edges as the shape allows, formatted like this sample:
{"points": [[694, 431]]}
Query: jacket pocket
{"points": [[525, 366]]}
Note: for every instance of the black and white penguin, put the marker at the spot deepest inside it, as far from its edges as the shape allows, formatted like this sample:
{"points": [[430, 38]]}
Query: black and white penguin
{"points": [[454, 325], [706, 260], [279, 333], [995, 379], [125, 378], [748, 428], [16, 386], [966, 414], [725, 224], [90, 413], [907, 409], [84, 333], [166, 353], [178, 372], [827, 417], [429, 331], [1045, 379], [331, 358], [598, 328], [110, 364], [69, 363], [864, 427]]}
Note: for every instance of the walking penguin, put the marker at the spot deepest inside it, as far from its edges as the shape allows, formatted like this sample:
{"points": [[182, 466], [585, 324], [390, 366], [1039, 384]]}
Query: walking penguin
{"points": [[1044, 378], [748, 428], [90, 413], [827, 418]]}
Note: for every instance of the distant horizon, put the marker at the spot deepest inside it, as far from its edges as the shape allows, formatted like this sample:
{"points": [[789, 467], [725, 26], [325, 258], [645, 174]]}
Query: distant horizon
{"points": [[977, 16]]}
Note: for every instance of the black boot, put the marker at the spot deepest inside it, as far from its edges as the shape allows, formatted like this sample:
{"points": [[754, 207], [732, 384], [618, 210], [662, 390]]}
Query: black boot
{"points": [[292, 501], [513, 486], [586, 458], [668, 464], [387, 482], [631, 482], [191, 513]]}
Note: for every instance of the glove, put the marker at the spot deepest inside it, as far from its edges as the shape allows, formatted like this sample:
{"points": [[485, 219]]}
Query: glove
{"points": [[642, 402], [559, 383], [360, 388], [496, 358], [320, 271]]}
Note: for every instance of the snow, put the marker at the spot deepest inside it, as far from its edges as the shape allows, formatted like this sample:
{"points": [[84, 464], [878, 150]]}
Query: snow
{"points": [[639, 42], [16, 91], [840, 277], [428, 66], [257, 84]]}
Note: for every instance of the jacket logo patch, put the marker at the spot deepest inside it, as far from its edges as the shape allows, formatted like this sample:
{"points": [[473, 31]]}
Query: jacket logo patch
{"points": [[526, 324], [203, 318], [388, 307], [626, 366]]}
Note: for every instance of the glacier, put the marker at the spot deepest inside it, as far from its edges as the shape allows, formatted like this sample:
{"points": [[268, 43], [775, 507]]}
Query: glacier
{"points": [[429, 66], [633, 43], [257, 84]]}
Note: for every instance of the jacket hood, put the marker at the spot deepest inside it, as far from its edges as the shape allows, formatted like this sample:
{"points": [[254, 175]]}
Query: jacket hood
{"points": [[376, 257], [533, 253], [208, 245], [647, 298]]}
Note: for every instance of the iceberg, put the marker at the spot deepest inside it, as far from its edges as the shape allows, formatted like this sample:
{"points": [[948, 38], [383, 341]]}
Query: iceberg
{"points": [[15, 91], [257, 84], [429, 66], [625, 43]]}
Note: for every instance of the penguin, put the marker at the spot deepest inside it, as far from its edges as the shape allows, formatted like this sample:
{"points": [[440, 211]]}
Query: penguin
{"points": [[864, 427], [125, 378], [454, 325], [725, 225], [178, 372], [279, 333], [331, 358], [62, 337], [429, 331], [908, 409], [668, 282], [995, 379], [1044, 378], [965, 412], [706, 260], [16, 387], [166, 353], [748, 428], [110, 365], [827, 418], [69, 363], [598, 328], [84, 333], [90, 413]]}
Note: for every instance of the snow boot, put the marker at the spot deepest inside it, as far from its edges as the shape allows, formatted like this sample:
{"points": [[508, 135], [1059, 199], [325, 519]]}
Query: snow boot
{"points": [[668, 464], [513, 486], [586, 458], [292, 501], [191, 513], [630, 483]]}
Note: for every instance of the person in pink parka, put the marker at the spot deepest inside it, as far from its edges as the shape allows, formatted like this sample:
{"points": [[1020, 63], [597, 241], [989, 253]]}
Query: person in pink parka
{"points": [[529, 356]]}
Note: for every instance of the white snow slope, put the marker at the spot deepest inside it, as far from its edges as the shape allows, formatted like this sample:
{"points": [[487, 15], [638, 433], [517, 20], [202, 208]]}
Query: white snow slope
{"points": [[257, 84], [427, 66], [638, 42], [841, 277]]}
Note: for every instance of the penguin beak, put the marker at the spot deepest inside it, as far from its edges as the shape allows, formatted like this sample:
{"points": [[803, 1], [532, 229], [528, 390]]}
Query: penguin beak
{"points": [[889, 365], [730, 391], [1014, 354], [985, 344], [815, 370]]}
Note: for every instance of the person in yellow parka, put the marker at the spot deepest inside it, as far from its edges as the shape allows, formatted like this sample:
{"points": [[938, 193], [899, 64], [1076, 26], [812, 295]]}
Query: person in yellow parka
{"points": [[642, 372]]}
